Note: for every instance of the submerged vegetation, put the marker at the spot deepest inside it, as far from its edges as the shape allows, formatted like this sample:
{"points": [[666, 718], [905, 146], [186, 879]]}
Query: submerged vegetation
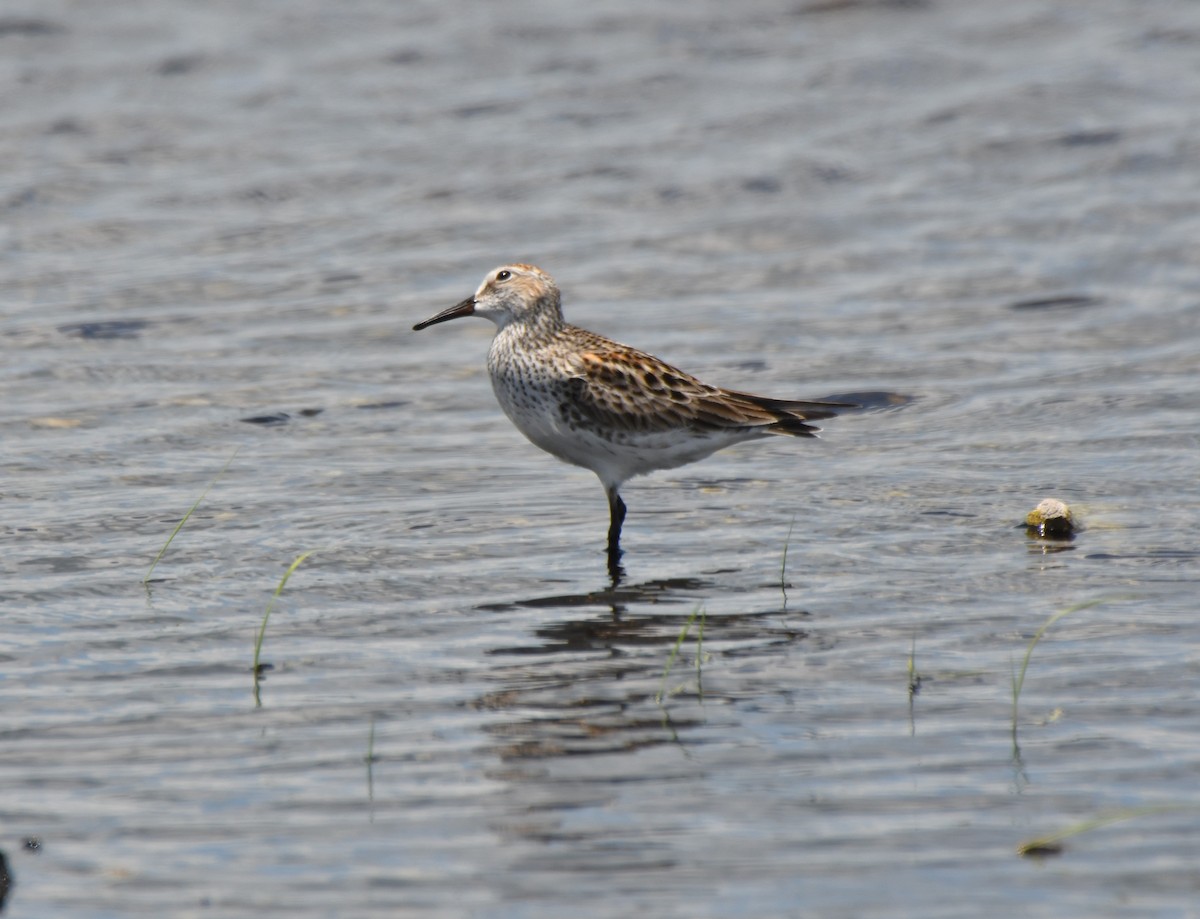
{"points": [[1051, 843], [683, 633], [783, 561], [258, 667], [191, 510], [1041, 846], [1018, 679], [262, 629]]}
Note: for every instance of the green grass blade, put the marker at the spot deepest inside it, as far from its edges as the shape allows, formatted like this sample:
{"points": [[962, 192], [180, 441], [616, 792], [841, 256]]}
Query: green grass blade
{"points": [[683, 633], [1049, 844], [179, 526], [262, 629], [783, 562], [369, 759], [914, 678], [1018, 679]]}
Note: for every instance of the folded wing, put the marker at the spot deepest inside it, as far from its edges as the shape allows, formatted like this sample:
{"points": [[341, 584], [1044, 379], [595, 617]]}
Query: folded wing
{"points": [[618, 387]]}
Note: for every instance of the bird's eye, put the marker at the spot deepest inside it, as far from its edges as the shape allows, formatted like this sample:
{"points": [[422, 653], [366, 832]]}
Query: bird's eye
{"points": [[503, 275]]}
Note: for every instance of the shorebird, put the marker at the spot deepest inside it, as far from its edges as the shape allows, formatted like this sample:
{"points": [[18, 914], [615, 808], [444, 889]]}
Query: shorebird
{"points": [[605, 406]]}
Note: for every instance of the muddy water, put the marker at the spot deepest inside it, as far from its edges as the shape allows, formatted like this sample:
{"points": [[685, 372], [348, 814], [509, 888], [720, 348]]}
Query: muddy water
{"points": [[215, 213]]}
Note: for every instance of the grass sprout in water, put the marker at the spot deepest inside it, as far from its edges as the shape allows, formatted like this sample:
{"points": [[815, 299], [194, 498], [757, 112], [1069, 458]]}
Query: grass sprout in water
{"points": [[914, 676], [191, 510], [1051, 844], [262, 629], [783, 562], [1018, 679], [914, 687], [369, 759], [683, 633]]}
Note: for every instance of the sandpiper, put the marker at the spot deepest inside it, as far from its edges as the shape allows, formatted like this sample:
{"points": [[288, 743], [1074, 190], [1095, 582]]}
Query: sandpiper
{"points": [[610, 408]]}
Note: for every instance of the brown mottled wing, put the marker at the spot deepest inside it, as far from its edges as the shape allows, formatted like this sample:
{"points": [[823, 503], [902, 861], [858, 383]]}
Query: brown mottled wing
{"points": [[620, 387]]}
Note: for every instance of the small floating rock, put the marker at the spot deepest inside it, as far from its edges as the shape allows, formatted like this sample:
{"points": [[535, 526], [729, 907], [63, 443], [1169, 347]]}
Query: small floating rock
{"points": [[1051, 519]]}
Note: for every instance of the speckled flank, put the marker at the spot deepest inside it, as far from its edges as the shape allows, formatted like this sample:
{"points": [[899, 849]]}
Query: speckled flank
{"points": [[605, 406]]}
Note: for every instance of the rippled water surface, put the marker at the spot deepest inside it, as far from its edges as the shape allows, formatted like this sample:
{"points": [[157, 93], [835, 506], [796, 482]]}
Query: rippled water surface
{"points": [[223, 211]]}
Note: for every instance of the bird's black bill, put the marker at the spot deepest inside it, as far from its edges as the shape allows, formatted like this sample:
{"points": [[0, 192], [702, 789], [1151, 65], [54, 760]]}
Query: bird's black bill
{"points": [[466, 308]]}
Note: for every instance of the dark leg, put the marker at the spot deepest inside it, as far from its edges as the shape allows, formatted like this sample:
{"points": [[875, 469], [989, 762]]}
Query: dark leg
{"points": [[616, 511]]}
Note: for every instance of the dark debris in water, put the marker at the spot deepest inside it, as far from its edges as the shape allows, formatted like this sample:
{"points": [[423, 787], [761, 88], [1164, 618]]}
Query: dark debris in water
{"points": [[104, 329], [278, 418], [1065, 302], [1039, 849]]}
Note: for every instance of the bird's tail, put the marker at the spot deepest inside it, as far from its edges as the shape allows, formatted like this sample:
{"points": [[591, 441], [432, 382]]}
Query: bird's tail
{"points": [[790, 416]]}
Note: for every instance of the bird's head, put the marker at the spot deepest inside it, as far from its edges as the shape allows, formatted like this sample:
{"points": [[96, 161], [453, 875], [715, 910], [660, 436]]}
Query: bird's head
{"points": [[510, 293]]}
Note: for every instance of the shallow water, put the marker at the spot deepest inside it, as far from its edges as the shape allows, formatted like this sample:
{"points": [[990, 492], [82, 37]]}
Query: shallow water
{"points": [[216, 212]]}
